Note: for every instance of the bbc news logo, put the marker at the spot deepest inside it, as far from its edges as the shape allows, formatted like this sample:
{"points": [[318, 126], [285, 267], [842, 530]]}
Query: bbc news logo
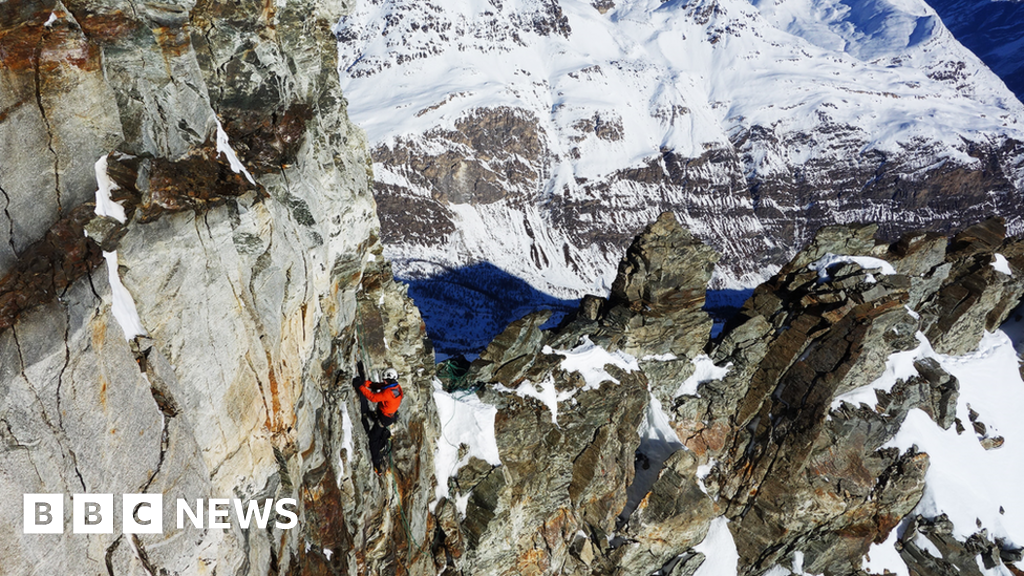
{"points": [[144, 513]]}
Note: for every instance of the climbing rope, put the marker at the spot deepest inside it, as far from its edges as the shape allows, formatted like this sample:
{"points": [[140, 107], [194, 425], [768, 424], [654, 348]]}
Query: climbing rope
{"points": [[401, 510], [455, 378]]}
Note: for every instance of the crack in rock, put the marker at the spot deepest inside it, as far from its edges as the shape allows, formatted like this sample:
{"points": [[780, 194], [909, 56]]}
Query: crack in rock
{"points": [[46, 123], [10, 221], [109, 556]]}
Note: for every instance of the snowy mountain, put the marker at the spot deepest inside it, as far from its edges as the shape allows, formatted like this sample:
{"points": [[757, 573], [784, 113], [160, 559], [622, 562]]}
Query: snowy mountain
{"points": [[539, 136], [992, 29]]}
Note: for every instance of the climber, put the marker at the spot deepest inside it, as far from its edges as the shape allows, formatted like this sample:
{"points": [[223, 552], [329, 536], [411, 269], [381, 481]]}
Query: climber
{"points": [[388, 396]]}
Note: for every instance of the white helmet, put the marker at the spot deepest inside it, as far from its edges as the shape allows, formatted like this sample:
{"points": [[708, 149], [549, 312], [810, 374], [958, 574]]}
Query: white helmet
{"points": [[391, 374]]}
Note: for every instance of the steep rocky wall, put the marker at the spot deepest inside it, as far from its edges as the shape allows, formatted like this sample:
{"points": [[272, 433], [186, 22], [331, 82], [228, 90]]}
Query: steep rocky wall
{"points": [[258, 284]]}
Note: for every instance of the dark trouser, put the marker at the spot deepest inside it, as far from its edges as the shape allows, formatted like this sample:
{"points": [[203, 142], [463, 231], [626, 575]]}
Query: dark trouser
{"points": [[379, 435]]}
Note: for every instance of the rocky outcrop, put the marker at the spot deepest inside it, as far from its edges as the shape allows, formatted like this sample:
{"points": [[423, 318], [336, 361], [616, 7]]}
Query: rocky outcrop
{"points": [[929, 547], [656, 305], [567, 443], [775, 446]]}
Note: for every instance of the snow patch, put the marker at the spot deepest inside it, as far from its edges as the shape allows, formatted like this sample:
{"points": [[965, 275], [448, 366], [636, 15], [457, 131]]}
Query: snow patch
{"points": [[925, 544], [719, 549], [545, 392], [224, 147], [468, 421], [884, 557], [1000, 263], [49, 21], [346, 442], [658, 441], [656, 429], [798, 562], [589, 360], [705, 371], [702, 472], [104, 205], [965, 481], [822, 265], [122, 306]]}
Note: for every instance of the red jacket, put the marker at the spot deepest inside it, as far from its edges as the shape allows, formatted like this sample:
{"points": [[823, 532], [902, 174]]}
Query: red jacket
{"points": [[388, 399]]}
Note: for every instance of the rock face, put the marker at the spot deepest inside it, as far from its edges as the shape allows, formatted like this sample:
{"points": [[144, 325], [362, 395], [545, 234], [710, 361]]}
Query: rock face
{"points": [[248, 251], [655, 303]]}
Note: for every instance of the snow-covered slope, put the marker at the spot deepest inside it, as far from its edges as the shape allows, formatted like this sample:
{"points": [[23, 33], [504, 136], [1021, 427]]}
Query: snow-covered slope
{"points": [[972, 477], [539, 135], [992, 29]]}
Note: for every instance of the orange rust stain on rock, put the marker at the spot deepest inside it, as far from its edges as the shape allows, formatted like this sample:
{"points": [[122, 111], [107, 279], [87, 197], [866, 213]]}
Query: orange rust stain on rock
{"points": [[555, 529], [173, 41], [533, 563], [326, 528], [701, 439], [274, 421], [308, 452], [267, 14], [19, 46], [31, 45], [99, 333], [106, 28], [62, 46]]}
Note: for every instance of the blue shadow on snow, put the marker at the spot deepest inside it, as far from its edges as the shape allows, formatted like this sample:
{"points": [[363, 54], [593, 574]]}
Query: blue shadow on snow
{"points": [[465, 308], [722, 305]]}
